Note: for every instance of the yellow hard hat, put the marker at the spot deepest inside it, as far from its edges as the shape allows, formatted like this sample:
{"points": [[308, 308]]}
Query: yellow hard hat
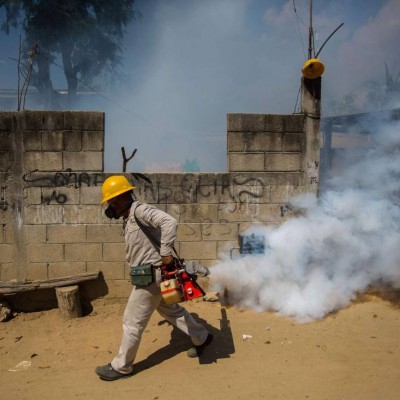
{"points": [[313, 68], [114, 186]]}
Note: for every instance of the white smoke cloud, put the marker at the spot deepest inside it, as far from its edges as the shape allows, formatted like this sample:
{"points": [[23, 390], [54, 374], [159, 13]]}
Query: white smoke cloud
{"points": [[344, 242], [361, 57]]}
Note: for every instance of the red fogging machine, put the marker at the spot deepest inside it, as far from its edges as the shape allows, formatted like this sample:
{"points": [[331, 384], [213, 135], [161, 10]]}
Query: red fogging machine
{"points": [[178, 280], [178, 284]]}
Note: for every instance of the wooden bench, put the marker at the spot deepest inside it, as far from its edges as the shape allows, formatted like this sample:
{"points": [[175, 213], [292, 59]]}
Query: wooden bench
{"points": [[67, 291]]}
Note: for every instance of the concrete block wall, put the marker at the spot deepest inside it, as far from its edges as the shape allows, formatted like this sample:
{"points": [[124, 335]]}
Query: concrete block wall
{"points": [[51, 171], [54, 161]]}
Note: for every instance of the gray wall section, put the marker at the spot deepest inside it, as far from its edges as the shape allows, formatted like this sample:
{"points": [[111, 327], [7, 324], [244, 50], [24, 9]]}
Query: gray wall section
{"points": [[51, 171]]}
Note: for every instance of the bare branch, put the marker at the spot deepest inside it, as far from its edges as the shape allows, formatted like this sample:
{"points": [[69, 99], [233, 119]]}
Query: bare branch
{"points": [[125, 159]]}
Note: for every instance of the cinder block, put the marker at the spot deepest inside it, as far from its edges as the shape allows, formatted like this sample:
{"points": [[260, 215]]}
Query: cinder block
{"points": [[90, 195], [249, 189], [40, 120], [83, 161], [59, 195], [44, 215], [8, 233], [104, 233], [72, 140], [262, 141], [35, 233], [189, 232], [6, 160], [83, 252], [6, 253], [275, 123], [277, 178], [43, 161], [245, 162], [147, 193], [219, 231], [110, 270], [245, 226], [37, 252], [64, 269], [214, 194], [235, 141], [236, 212], [273, 213], [85, 120], [194, 212], [65, 233], [225, 248], [52, 140], [293, 142], [5, 141], [6, 120], [294, 123], [8, 272], [114, 252], [93, 140], [198, 250], [36, 271], [284, 194], [82, 214], [283, 162], [32, 140], [32, 195], [175, 194], [246, 122]]}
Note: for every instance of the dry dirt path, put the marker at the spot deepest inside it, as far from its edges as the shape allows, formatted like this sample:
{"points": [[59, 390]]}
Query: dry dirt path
{"points": [[350, 355]]}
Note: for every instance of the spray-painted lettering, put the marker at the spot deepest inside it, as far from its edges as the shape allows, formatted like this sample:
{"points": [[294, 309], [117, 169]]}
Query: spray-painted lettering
{"points": [[59, 198], [239, 190], [64, 179]]}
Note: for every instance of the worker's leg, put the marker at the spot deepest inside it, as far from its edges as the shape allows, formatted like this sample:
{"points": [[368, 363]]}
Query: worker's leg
{"points": [[141, 304], [183, 320]]}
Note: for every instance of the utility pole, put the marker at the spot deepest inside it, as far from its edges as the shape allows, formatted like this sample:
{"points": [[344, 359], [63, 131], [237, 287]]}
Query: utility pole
{"points": [[311, 107], [310, 34]]}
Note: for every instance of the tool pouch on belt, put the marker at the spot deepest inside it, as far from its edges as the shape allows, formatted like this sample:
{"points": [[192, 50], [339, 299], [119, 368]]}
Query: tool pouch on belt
{"points": [[142, 275]]}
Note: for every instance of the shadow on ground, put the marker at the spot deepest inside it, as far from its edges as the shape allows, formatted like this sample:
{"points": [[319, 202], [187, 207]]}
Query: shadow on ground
{"points": [[221, 347]]}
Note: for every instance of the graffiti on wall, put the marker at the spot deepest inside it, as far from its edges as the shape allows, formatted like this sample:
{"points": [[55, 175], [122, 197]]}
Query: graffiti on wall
{"points": [[3, 200], [59, 198], [75, 215], [234, 194], [313, 171], [67, 179], [238, 190]]}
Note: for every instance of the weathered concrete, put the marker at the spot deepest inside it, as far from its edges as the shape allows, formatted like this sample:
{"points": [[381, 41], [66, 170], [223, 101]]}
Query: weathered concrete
{"points": [[51, 171]]}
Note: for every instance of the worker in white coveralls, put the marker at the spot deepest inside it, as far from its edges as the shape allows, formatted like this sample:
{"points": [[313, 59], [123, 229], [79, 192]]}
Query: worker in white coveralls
{"points": [[118, 192]]}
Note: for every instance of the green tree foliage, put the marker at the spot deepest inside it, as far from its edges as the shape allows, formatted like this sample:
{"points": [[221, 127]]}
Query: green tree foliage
{"points": [[85, 34]]}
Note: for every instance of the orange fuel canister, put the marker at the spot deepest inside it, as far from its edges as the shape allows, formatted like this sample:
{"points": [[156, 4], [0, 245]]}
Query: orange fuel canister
{"points": [[171, 291]]}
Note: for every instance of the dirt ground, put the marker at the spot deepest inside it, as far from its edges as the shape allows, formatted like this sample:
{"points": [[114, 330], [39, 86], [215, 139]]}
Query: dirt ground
{"points": [[352, 354]]}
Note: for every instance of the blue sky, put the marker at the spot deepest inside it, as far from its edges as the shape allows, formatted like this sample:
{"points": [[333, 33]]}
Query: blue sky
{"points": [[191, 62]]}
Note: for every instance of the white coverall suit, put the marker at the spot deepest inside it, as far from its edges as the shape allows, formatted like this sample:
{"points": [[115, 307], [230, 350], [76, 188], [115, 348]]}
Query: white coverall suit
{"points": [[144, 300]]}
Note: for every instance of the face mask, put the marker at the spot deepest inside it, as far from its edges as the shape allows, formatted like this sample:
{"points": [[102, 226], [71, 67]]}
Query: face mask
{"points": [[111, 213]]}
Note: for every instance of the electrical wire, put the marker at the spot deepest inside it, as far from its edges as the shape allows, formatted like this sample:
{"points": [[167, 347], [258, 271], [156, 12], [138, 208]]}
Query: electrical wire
{"points": [[302, 45], [298, 27]]}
